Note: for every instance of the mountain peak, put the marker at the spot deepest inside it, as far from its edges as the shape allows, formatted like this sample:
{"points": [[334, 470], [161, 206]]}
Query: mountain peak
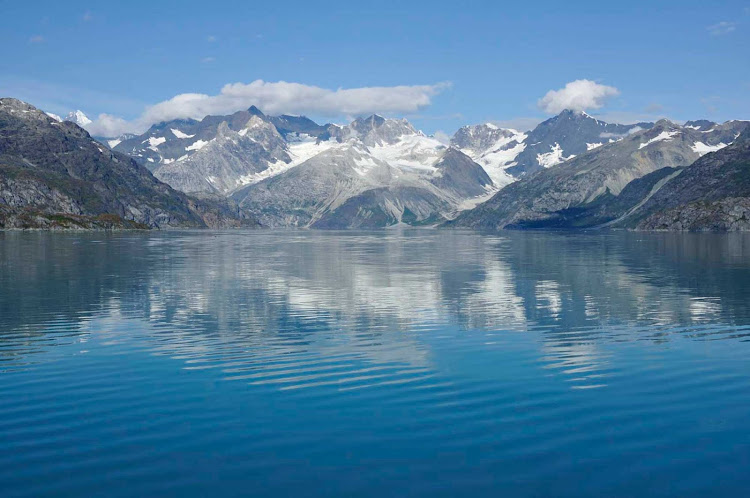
{"points": [[700, 124], [374, 120], [574, 114], [665, 123], [255, 111], [78, 117]]}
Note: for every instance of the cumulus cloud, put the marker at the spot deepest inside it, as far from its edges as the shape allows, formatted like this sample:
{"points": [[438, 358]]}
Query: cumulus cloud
{"points": [[631, 131], [107, 125], [578, 95], [721, 28], [280, 98]]}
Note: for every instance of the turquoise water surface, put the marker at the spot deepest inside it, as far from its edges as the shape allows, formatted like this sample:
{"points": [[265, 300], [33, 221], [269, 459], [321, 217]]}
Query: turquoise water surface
{"points": [[392, 363]]}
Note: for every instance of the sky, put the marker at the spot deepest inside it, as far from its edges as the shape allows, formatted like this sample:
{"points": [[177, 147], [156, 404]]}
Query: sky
{"points": [[440, 64]]}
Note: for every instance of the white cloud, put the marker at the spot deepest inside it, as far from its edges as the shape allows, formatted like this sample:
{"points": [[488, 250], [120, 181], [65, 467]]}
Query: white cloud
{"points": [[631, 131], [520, 123], [578, 95], [442, 137], [107, 125], [721, 28], [279, 98]]}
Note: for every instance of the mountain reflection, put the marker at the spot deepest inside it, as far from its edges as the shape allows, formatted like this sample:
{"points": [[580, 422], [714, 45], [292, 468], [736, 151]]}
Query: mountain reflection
{"points": [[362, 307]]}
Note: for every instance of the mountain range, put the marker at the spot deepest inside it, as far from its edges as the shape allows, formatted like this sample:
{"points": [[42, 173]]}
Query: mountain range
{"points": [[571, 171]]}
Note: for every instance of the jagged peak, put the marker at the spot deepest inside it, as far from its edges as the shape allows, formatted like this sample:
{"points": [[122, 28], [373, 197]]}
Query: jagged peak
{"points": [[255, 111], [700, 124]]}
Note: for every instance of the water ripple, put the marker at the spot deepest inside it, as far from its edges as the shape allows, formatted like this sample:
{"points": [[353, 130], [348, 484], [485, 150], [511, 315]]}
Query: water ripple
{"points": [[404, 362]]}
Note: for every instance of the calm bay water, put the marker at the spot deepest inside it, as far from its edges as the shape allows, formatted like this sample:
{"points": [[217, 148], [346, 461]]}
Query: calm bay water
{"points": [[374, 364]]}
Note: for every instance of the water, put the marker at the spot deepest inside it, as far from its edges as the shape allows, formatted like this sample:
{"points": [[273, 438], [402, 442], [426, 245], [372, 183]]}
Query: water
{"points": [[374, 364]]}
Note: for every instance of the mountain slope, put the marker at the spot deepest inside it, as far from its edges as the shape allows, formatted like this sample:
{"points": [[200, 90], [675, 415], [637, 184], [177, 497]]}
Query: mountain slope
{"points": [[51, 169], [351, 185], [495, 149], [300, 195], [712, 194], [459, 176]]}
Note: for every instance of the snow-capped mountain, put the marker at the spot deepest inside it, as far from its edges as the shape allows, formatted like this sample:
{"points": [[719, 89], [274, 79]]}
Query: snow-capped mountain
{"points": [[419, 178], [372, 172], [562, 137], [228, 161], [167, 142], [507, 154], [78, 117], [604, 183]]}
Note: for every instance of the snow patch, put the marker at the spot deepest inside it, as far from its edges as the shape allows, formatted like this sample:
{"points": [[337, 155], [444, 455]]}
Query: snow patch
{"points": [[306, 147], [703, 149], [552, 158], [416, 152], [113, 143], [364, 164], [180, 134], [198, 145], [593, 146], [154, 142], [663, 136]]}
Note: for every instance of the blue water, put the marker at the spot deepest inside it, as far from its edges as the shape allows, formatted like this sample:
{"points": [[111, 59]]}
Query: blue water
{"points": [[421, 363]]}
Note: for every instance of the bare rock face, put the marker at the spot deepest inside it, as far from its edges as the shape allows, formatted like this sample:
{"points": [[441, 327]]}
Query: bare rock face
{"points": [[730, 214], [457, 174], [49, 168]]}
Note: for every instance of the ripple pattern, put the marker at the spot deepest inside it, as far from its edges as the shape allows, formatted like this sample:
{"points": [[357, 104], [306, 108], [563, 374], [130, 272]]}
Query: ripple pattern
{"points": [[412, 362]]}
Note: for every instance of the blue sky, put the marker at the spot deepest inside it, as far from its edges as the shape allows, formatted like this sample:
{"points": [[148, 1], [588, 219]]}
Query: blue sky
{"points": [[487, 61]]}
